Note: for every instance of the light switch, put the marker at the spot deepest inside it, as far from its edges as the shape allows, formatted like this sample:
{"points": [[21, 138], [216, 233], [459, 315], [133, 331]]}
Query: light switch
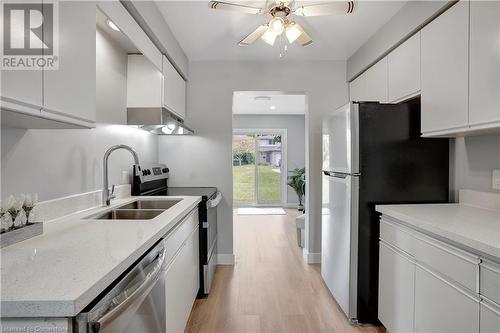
{"points": [[495, 181]]}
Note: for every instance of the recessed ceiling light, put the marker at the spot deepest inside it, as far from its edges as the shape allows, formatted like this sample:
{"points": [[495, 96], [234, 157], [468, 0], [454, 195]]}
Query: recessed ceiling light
{"points": [[272, 107], [112, 25]]}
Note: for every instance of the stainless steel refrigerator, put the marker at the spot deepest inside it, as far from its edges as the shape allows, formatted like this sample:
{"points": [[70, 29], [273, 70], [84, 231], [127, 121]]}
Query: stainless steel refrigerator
{"points": [[372, 154]]}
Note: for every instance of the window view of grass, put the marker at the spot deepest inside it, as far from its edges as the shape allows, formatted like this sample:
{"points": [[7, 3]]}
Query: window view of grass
{"points": [[244, 189], [265, 150]]}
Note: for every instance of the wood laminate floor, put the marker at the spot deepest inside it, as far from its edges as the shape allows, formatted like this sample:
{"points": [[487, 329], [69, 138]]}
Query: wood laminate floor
{"points": [[270, 288]]}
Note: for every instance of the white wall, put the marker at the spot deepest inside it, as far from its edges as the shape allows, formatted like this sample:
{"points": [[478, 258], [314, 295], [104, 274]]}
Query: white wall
{"points": [[472, 160], [295, 126], [55, 163], [205, 159]]}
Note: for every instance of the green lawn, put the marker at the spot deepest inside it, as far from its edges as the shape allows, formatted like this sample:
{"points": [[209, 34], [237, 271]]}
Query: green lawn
{"points": [[243, 184]]}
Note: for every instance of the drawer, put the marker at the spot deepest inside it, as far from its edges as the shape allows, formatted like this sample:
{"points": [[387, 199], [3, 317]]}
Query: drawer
{"points": [[181, 232], [397, 236], [489, 284], [448, 261]]}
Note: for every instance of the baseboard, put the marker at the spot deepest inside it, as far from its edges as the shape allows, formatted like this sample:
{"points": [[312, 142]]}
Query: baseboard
{"points": [[311, 258], [225, 259]]}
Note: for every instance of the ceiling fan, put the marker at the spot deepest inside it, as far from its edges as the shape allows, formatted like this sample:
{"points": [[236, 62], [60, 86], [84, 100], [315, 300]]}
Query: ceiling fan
{"points": [[281, 13]]}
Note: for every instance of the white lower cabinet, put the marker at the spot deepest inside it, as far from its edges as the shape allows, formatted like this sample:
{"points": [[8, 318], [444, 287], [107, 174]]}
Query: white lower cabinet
{"points": [[396, 294], [443, 307], [182, 283], [489, 317]]}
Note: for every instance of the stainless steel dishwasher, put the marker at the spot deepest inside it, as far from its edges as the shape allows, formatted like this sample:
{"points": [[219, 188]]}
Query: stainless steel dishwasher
{"points": [[135, 304]]}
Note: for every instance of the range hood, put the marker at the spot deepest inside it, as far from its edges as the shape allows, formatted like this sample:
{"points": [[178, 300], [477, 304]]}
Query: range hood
{"points": [[157, 121]]}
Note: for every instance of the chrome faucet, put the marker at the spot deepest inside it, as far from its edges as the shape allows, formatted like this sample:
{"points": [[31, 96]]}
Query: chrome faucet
{"points": [[106, 195]]}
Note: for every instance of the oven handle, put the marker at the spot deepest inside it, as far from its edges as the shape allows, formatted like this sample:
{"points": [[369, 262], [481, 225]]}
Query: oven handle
{"points": [[134, 299], [215, 201]]}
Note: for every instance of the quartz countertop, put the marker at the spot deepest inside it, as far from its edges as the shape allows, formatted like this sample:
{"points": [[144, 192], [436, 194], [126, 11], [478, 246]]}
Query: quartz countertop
{"points": [[59, 273], [473, 229]]}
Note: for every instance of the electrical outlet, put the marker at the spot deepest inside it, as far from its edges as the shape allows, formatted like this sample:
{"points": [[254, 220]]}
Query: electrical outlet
{"points": [[495, 180]]}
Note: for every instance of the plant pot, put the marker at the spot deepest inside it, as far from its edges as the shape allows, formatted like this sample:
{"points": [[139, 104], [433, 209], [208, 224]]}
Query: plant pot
{"points": [[300, 207]]}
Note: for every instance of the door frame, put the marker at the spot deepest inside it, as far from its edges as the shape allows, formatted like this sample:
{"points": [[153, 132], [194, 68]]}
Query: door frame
{"points": [[284, 166]]}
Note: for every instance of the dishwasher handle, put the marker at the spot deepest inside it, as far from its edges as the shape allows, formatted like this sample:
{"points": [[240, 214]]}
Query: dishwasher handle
{"points": [[215, 201], [134, 296]]}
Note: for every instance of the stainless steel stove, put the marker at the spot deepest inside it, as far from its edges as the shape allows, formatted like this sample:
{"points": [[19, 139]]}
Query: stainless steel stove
{"points": [[152, 180]]}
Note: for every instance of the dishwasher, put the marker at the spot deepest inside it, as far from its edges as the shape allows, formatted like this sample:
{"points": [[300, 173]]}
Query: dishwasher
{"points": [[136, 303]]}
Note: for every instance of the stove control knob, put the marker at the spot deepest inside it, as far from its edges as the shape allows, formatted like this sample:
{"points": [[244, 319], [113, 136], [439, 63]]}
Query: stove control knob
{"points": [[149, 171], [165, 170]]}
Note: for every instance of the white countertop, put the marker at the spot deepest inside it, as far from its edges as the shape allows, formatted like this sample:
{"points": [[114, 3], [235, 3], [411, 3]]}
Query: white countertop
{"points": [[473, 229], [60, 272]]}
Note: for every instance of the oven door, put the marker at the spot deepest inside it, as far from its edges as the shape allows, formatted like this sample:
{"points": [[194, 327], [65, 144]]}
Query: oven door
{"points": [[211, 223]]}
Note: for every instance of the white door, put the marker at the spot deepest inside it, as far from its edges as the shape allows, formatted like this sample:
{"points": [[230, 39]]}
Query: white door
{"points": [[340, 140], [337, 258], [444, 71], [396, 290], [443, 307]]}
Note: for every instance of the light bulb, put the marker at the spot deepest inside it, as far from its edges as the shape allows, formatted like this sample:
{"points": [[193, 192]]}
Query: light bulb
{"points": [[171, 126], [112, 25], [167, 130], [292, 32], [277, 25], [269, 37]]}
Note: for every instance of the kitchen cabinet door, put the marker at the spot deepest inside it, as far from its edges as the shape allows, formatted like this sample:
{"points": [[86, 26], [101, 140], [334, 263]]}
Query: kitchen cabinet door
{"points": [[174, 89], [376, 83], [371, 86], [21, 90], [396, 290], [444, 72], [404, 70], [357, 88], [143, 83], [69, 92], [181, 284], [489, 317], [443, 307], [484, 70]]}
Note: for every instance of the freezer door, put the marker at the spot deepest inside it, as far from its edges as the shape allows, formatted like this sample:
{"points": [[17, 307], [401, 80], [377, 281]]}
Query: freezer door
{"points": [[340, 140], [339, 240]]}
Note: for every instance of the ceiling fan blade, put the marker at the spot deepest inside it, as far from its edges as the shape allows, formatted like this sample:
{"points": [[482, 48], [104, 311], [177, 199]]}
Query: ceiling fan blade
{"points": [[253, 36], [235, 7], [304, 39], [329, 8]]}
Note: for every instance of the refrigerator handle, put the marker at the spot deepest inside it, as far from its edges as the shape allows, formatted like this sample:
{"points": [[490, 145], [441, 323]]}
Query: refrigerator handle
{"points": [[336, 174]]}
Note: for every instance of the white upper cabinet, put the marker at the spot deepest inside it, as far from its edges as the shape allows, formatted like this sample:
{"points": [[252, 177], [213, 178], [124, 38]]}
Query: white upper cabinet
{"points": [[63, 97], [444, 91], [144, 82], [69, 92], [371, 86], [174, 89], [404, 70], [484, 71]]}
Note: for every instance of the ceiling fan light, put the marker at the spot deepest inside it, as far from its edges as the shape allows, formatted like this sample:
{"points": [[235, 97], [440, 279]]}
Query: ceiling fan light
{"points": [[269, 37], [292, 32], [277, 25]]}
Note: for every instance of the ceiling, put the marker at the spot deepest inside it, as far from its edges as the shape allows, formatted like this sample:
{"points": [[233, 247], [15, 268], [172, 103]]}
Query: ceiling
{"points": [[207, 34], [268, 103]]}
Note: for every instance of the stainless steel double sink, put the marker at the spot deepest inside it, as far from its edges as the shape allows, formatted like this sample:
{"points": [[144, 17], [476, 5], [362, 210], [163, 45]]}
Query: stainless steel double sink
{"points": [[136, 210]]}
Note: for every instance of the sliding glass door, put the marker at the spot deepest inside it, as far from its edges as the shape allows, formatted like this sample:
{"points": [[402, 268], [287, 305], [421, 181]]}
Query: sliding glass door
{"points": [[258, 168]]}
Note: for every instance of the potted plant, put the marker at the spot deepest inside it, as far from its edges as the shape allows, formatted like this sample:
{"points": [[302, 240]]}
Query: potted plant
{"points": [[297, 181]]}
